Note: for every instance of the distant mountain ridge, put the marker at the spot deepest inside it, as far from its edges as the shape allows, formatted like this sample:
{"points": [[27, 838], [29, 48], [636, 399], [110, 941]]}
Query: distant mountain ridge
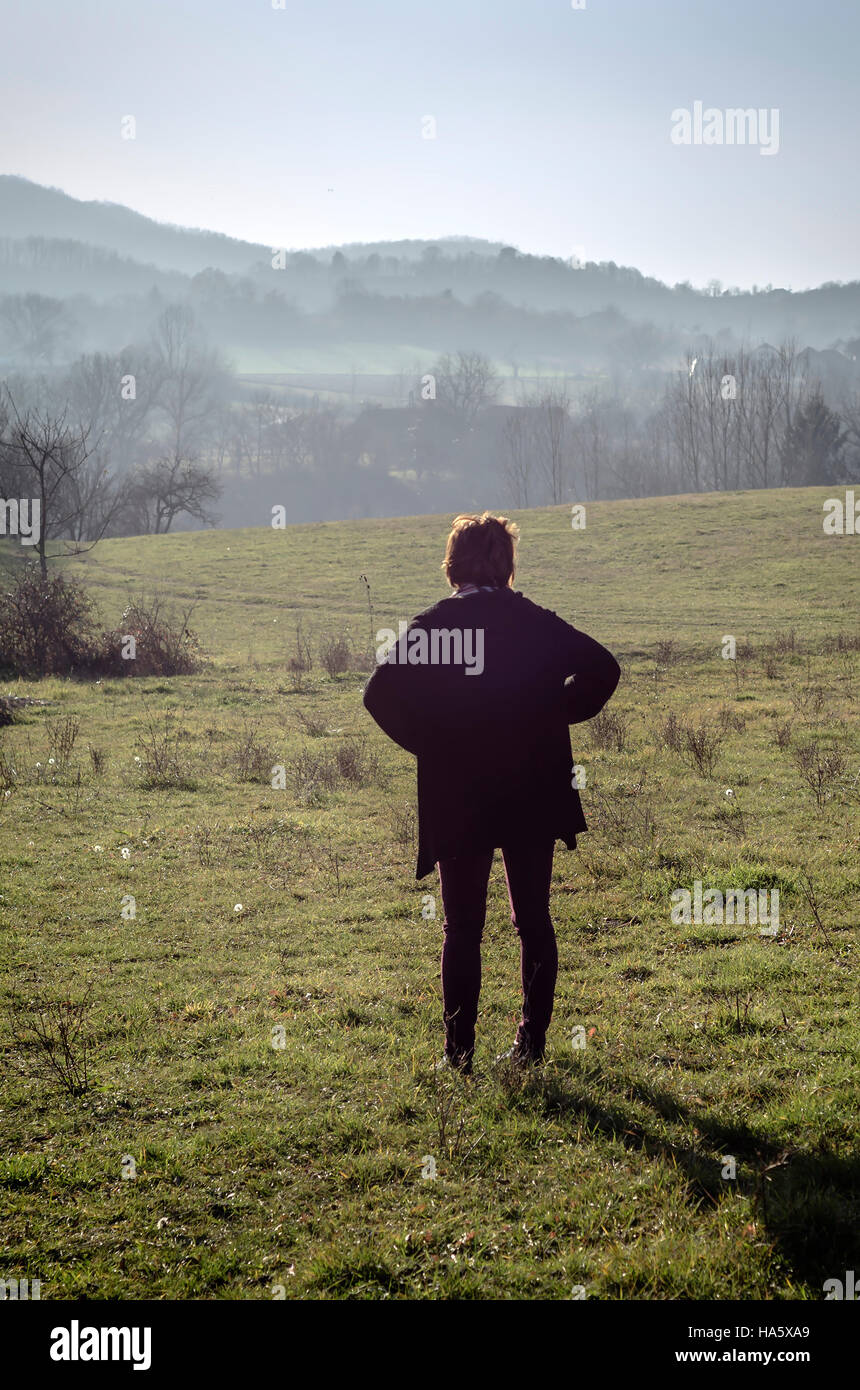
{"points": [[30, 209], [382, 301]]}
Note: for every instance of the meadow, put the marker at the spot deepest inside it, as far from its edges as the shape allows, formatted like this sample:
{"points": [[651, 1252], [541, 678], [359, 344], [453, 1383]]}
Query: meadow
{"points": [[221, 1004]]}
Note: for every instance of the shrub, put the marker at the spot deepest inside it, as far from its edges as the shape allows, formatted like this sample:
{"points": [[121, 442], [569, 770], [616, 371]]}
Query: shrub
{"points": [[8, 771], [729, 719], [403, 819], [840, 642], [336, 654], [312, 724], [312, 774], [355, 764], [254, 760], [672, 733], [808, 700], [785, 642], [782, 734], [608, 729], [303, 660], [51, 1034], [701, 748], [771, 667], [667, 652], [47, 627], [820, 771], [164, 644], [98, 758], [62, 734], [163, 765]]}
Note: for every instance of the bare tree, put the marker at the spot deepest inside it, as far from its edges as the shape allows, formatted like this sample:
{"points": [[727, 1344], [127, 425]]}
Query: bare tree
{"points": [[255, 433], [165, 489], [589, 442], [685, 409], [51, 458], [306, 441], [37, 325], [552, 423], [849, 409], [94, 500], [116, 395], [517, 457], [190, 378], [760, 417], [465, 383], [793, 375]]}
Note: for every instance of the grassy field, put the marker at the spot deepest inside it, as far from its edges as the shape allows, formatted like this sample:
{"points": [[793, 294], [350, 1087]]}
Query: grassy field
{"points": [[260, 1036]]}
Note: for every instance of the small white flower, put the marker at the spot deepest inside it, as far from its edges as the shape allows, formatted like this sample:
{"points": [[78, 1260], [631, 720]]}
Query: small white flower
{"points": [[50, 762], [137, 760], [729, 791], [238, 908], [125, 852], [38, 764], [97, 848]]}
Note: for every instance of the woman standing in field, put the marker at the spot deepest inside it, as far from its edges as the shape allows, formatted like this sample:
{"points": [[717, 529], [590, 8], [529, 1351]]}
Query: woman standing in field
{"points": [[481, 688]]}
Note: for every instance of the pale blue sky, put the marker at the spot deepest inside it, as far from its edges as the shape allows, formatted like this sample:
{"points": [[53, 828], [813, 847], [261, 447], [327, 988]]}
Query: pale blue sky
{"points": [[553, 124]]}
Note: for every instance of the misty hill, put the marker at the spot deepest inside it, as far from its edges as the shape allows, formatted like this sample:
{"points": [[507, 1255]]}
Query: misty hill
{"points": [[63, 267], [30, 210], [379, 306]]}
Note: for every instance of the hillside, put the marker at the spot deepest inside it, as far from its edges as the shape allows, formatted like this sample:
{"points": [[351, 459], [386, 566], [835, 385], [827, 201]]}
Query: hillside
{"points": [[30, 209], [640, 570], [256, 970], [477, 273]]}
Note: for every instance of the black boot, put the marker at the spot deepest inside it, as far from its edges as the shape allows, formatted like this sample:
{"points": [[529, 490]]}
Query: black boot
{"points": [[523, 1053], [461, 1062]]}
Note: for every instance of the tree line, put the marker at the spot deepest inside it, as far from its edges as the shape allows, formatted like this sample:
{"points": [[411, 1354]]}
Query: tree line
{"points": [[139, 441]]}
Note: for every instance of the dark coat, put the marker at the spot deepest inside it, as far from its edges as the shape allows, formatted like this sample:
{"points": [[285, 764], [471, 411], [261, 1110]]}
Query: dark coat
{"points": [[493, 749]]}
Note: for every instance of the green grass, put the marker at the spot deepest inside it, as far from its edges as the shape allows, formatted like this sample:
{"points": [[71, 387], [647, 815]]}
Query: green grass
{"points": [[301, 1166]]}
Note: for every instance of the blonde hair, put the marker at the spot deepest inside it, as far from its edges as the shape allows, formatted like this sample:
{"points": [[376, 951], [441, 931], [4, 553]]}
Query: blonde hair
{"points": [[481, 550]]}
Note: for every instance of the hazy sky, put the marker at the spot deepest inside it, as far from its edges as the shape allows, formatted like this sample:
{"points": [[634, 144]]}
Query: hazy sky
{"points": [[302, 126]]}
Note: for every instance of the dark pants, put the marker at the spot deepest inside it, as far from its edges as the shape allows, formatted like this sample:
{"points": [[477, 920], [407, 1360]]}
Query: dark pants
{"points": [[528, 870]]}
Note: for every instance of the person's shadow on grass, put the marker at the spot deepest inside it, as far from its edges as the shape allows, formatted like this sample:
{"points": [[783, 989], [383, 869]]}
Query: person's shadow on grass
{"points": [[807, 1202]]}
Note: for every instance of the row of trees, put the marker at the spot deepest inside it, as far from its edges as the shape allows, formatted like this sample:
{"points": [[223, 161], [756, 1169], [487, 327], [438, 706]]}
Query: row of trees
{"points": [[724, 421], [115, 445], [128, 443], [47, 458], [753, 419]]}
